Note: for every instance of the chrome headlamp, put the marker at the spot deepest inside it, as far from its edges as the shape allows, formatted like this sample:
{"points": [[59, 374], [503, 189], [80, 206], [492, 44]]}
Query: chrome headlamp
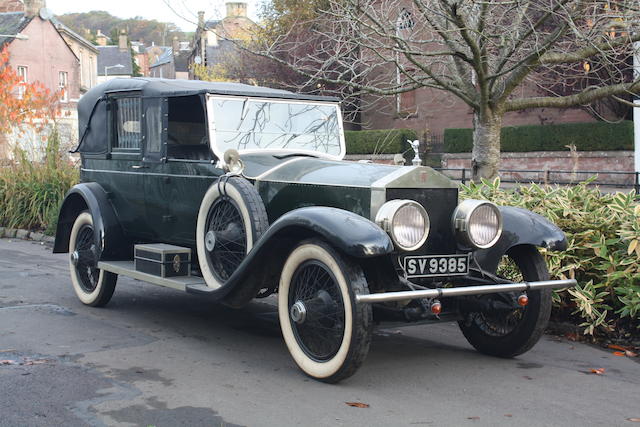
{"points": [[406, 222], [477, 223]]}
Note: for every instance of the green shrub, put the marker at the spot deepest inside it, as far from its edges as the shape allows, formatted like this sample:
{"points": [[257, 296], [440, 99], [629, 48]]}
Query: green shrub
{"points": [[603, 231], [597, 136], [31, 193], [384, 141]]}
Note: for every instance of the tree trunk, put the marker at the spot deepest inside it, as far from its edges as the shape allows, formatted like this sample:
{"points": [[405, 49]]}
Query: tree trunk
{"points": [[485, 157]]}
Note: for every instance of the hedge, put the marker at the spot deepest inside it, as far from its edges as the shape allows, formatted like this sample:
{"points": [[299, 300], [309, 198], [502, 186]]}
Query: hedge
{"points": [[597, 136], [383, 141]]}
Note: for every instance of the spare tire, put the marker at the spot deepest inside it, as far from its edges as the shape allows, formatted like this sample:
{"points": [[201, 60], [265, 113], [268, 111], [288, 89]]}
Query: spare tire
{"points": [[231, 219]]}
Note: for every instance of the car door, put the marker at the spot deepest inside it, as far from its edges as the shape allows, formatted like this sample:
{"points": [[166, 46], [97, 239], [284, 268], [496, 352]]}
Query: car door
{"points": [[125, 180]]}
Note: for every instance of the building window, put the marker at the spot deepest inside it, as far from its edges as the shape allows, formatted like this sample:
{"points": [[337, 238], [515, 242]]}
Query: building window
{"points": [[23, 75], [63, 83], [128, 129]]}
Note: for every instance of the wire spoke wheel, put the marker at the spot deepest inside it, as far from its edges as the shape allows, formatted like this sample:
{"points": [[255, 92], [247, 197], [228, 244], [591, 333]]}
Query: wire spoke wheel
{"points": [[500, 323], [226, 234], [320, 328], [508, 333], [326, 331], [86, 265], [92, 286]]}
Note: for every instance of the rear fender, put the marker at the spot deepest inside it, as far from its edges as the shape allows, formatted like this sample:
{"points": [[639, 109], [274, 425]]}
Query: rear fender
{"points": [[92, 197]]}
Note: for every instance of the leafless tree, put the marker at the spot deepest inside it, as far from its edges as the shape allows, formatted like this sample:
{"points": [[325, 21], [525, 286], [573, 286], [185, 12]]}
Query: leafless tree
{"points": [[491, 54]]}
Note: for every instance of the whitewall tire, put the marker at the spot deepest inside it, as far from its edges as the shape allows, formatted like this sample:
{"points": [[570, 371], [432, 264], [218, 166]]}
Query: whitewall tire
{"points": [[93, 286], [326, 332], [231, 219]]}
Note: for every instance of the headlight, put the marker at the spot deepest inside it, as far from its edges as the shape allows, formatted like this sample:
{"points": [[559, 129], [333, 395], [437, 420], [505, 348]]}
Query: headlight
{"points": [[477, 223], [406, 222]]}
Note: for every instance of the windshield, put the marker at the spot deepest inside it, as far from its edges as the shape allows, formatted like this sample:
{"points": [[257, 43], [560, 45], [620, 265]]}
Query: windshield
{"points": [[258, 124]]}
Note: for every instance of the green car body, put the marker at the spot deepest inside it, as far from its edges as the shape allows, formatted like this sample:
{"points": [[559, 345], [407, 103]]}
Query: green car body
{"points": [[158, 156]]}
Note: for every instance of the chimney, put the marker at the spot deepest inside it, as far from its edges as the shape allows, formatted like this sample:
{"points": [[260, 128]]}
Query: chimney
{"points": [[101, 39], [122, 41], [175, 45], [32, 7], [201, 19], [236, 9], [11, 6]]}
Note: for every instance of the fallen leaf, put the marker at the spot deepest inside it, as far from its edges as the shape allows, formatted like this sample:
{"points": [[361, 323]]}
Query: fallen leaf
{"points": [[527, 377], [634, 420], [597, 371], [473, 418], [357, 404], [571, 336], [616, 347], [8, 350], [619, 353], [508, 415], [630, 353], [7, 362]]}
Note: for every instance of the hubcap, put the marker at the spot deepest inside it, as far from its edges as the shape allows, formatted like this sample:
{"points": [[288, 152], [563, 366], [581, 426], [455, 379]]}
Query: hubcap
{"points": [[298, 312], [210, 241], [75, 257]]}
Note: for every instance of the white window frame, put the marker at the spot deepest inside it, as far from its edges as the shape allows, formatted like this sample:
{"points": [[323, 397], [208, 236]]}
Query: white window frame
{"points": [[23, 74], [63, 85]]}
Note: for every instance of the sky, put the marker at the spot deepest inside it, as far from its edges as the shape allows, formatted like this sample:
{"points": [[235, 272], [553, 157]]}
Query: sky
{"points": [[184, 13]]}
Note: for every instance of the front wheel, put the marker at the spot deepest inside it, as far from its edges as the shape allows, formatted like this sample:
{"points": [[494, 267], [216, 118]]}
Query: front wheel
{"points": [[327, 332], [513, 332], [93, 286]]}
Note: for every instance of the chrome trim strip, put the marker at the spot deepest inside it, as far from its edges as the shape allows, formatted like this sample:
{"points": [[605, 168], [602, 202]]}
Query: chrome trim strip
{"points": [[379, 189], [464, 290], [149, 173]]}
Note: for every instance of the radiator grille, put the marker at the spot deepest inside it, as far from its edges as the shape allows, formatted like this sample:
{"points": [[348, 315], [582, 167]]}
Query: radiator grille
{"points": [[439, 204]]}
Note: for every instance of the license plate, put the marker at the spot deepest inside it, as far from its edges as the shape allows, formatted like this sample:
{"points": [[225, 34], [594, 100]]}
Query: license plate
{"points": [[436, 265]]}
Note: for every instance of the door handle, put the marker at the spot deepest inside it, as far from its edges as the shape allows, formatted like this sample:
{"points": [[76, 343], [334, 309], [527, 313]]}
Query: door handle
{"points": [[139, 167]]}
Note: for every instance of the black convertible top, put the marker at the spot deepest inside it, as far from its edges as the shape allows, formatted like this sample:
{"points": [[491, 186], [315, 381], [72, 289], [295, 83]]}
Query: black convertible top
{"points": [[92, 112]]}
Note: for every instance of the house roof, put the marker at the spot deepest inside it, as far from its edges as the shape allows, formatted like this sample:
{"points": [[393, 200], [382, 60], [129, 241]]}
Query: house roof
{"points": [[63, 28], [181, 61], [12, 23], [217, 53], [108, 56], [165, 58]]}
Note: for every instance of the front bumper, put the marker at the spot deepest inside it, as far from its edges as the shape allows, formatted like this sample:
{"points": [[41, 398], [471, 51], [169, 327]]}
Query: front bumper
{"points": [[464, 290]]}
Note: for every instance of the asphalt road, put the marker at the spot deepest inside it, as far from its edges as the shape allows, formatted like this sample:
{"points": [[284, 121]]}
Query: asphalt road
{"points": [[157, 357]]}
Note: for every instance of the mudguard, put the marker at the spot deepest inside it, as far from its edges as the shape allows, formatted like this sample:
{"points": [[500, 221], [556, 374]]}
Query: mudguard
{"points": [[91, 196], [521, 227], [350, 233]]}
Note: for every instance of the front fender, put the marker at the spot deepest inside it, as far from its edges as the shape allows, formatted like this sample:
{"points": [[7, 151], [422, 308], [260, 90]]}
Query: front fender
{"points": [[521, 227], [350, 233], [92, 197]]}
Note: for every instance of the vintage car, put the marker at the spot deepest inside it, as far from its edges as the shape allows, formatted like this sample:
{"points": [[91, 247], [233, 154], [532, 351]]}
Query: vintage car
{"points": [[233, 192]]}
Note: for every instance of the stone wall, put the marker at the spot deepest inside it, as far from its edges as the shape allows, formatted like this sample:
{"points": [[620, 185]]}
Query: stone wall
{"points": [[555, 166]]}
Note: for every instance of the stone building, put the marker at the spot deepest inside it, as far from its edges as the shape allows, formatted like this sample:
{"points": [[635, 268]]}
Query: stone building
{"points": [[115, 61], [173, 62], [210, 36], [86, 53]]}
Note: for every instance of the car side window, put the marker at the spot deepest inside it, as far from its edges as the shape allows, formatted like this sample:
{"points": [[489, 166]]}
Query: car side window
{"points": [[187, 137], [128, 135]]}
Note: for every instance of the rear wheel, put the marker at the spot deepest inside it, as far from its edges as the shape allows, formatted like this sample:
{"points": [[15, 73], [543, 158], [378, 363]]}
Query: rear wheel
{"points": [[92, 285], [328, 334], [508, 333]]}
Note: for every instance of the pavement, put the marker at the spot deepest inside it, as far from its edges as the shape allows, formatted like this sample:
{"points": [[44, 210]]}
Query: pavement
{"points": [[158, 357]]}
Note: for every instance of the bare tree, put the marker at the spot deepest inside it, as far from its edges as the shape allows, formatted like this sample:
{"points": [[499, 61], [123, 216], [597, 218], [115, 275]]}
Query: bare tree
{"points": [[491, 54]]}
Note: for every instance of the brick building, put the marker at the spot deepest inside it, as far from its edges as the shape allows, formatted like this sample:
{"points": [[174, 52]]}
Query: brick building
{"points": [[40, 54]]}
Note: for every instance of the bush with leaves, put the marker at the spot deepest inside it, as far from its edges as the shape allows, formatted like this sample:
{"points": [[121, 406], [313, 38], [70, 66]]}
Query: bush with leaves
{"points": [[31, 192], [603, 231]]}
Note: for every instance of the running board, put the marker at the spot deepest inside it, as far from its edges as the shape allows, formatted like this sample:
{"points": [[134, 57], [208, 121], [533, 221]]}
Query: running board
{"points": [[126, 268]]}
